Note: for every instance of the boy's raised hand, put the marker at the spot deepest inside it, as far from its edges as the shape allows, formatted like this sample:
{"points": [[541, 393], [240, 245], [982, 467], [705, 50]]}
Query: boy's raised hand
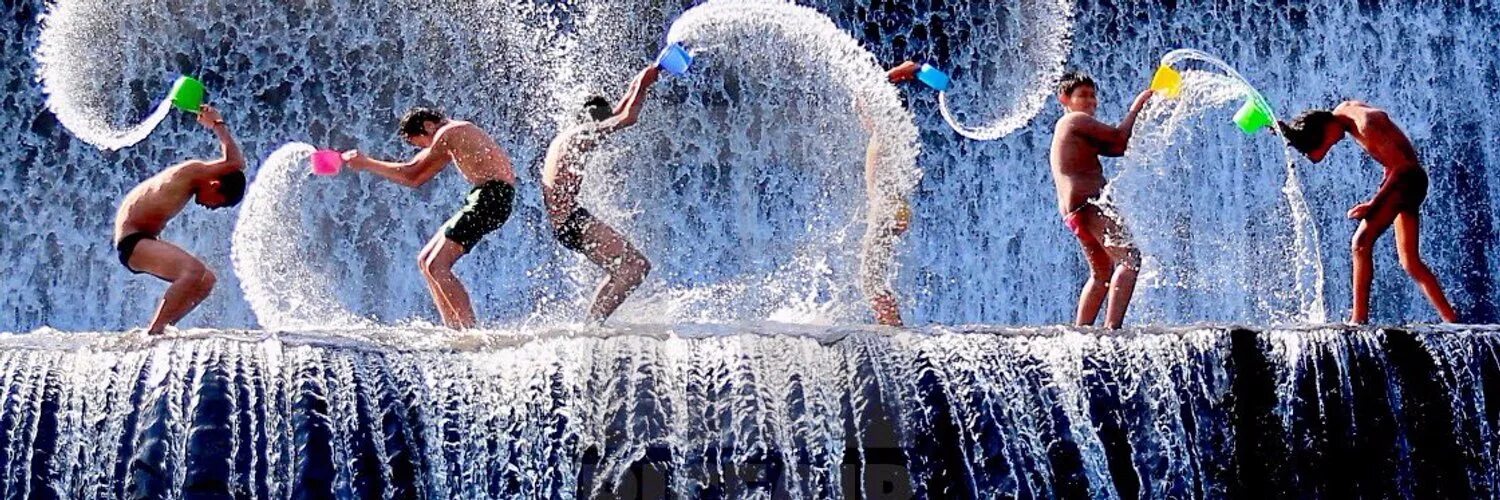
{"points": [[1141, 100], [906, 72], [208, 116]]}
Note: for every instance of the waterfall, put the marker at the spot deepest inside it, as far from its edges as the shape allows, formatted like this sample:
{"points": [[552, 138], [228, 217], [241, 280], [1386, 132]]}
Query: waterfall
{"points": [[752, 412]]}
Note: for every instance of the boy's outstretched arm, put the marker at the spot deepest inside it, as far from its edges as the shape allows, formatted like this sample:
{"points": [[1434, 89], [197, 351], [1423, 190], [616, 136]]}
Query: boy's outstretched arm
{"points": [[629, 108], [1127, 126], [412, 173]]}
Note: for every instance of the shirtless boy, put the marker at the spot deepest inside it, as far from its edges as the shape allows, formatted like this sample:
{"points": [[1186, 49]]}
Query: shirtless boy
{"points": [[145, 211], [576, 229], [1398, 201], [884, 225], [484, 164], [1077, 143]]}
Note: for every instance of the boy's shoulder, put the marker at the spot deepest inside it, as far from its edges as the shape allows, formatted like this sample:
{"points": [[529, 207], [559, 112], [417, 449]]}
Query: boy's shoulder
{"points": [[1071, 119], [565, 140], [183, 171], [1352, 103], [1075, 115], [453, 127]]}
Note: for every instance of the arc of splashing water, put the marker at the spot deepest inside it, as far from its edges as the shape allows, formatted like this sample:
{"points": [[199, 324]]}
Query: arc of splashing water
{"points": [[1306, 237], [852, 65], [896, 174], [67, 70], [1056, 39], [283, 291]]}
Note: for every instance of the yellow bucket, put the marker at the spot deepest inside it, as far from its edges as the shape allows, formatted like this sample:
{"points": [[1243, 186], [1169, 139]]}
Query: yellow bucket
{"points": [[1167, 81]]}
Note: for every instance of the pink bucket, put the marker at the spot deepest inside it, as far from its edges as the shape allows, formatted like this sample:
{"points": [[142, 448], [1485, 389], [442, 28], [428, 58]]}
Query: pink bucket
{"points": [[327, 162]]}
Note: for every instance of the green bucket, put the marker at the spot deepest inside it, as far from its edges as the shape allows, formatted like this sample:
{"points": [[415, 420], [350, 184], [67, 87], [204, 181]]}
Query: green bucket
{"points": [[187, 94], [1253, 116]]}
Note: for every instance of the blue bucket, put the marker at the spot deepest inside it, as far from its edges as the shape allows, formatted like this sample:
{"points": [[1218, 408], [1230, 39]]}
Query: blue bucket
{"points": [[933, 77], [674, 59]]}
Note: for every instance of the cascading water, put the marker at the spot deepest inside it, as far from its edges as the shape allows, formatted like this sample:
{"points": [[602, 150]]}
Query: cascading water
{"points": [[748, 167], [789, 412]]}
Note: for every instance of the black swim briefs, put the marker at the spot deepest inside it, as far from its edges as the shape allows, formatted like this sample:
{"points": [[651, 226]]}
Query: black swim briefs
{"points": [[486, 209], [570, 232], [1409, 189], [126, 247]]}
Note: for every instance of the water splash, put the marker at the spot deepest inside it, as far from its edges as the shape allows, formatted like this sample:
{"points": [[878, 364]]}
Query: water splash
{"points": [[1192, 246], [763, 150], [288, 278], [1025, 46], [80, 70]]}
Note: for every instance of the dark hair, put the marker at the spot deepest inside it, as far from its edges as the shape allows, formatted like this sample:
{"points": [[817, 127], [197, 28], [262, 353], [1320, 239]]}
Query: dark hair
{"points": [[1071, 80], [415, 121], [232, 186], [1305, 133], [598, 108]]}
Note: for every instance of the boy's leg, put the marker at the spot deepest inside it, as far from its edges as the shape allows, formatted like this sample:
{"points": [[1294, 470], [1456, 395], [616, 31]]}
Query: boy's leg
{"points": [[1127, 263], [445, 311], [191, 280], [626, 266], [447, 289], [874, 268], [1088, 229], [1121, 266], [1362, 251], [1408, 232], [887, 311]]}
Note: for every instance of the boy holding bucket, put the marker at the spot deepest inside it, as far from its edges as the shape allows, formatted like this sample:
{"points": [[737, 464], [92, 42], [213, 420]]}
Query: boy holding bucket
{"points": [[1077, 143], [484, 164], [578, 230], [147, 208], [1398, 201]]}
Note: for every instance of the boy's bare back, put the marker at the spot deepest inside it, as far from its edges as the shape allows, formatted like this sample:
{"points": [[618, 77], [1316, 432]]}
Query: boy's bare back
{"points": [[478, 157], [1379, 135], [148, 207]]}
